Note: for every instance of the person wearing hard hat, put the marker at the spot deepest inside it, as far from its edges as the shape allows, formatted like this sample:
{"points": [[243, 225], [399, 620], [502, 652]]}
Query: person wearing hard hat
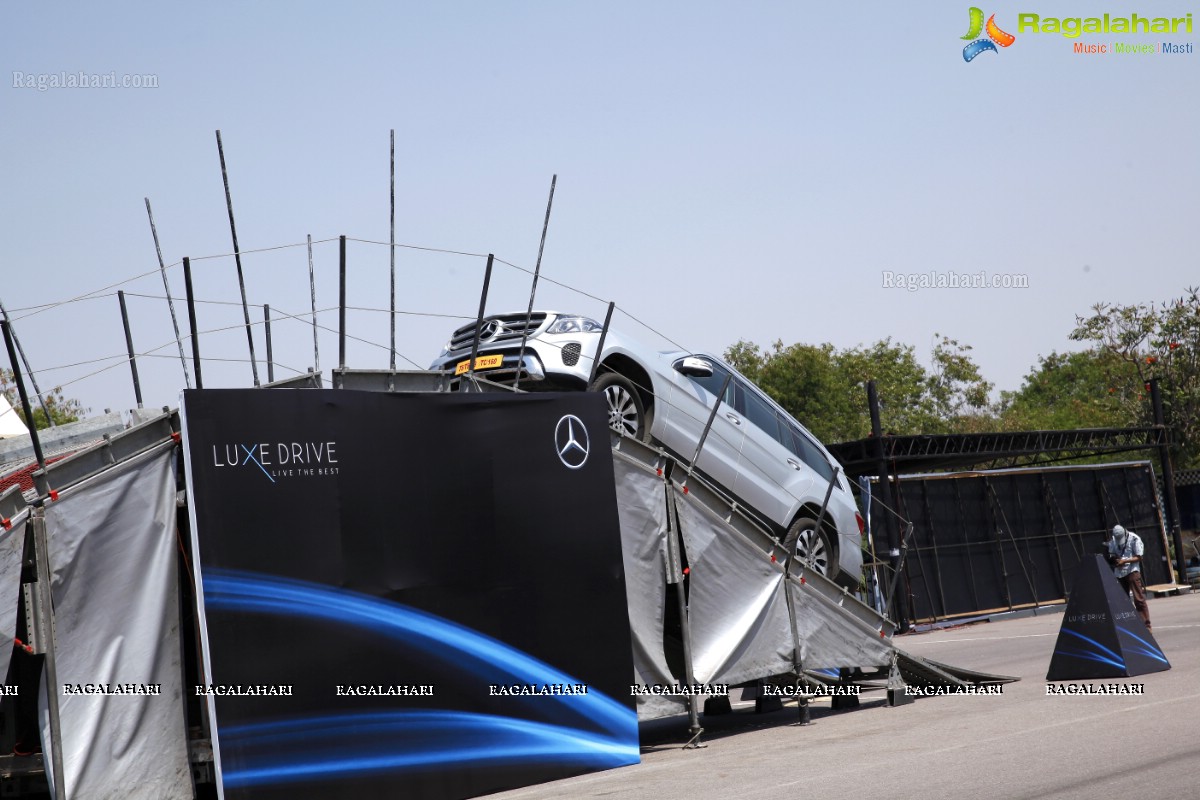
{"points": [[1125, 554]]}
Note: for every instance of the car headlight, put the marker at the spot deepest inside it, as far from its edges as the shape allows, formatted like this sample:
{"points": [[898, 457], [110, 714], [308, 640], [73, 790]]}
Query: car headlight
{"points": [[575, 325]]}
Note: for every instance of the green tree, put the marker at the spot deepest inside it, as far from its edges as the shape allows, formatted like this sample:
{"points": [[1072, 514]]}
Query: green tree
{"points": [[961, 397], [1086, 389], [62, 409], [802, 378], [1155, 341], [902, 383], [747, 358], [825, 388]]}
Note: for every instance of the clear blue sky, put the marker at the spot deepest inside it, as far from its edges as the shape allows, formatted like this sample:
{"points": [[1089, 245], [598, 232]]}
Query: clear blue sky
{"points": [[725, 171]]}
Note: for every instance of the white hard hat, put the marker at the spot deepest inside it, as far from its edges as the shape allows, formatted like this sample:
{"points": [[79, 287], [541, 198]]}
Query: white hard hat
{"points": [[1118, 531]]}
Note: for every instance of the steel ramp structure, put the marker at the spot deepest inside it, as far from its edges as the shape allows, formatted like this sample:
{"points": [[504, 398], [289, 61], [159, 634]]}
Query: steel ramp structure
{"points": [[99, 597], [713, 601], [749, 615], [927, 672]]}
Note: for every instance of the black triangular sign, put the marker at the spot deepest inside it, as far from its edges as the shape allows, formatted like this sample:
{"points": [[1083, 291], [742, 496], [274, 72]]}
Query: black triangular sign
{"points": [[1102, 635]]}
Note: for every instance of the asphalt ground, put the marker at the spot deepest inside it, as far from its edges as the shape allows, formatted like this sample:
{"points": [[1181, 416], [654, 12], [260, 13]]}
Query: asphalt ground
{"points": [[1021, 744]]}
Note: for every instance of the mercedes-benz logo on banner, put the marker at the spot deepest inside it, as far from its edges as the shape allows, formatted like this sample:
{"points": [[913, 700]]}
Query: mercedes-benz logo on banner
{"points": [[571, 442], [490, 330]]}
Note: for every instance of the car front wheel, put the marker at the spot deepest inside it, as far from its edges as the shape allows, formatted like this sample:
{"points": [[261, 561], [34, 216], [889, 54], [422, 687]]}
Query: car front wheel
{"points": [[626, 414], [811, 547]]}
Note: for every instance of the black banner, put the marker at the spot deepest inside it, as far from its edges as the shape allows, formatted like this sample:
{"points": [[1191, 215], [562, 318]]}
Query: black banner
{"points": [[992, 541], [408, 595], [1102, 635]]}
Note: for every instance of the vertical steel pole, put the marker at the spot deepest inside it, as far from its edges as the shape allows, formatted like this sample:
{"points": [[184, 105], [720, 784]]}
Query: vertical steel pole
{"points": [[600, 344], [392, 253], [797, 649], [1168, 472], [162, 268], [898, 611], [341, 303], [487, 280], [237, 258], [676, 576], [28, 409], [137, 385], [45, 623], [1049, 507], [537, 268], [270, 357], [999, 562], [312, 290], [940, 594], [32, 378], [191, 305]]}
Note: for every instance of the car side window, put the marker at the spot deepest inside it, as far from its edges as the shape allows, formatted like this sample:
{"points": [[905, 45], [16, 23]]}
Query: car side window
{"points": [[762, 416], [712, 384], [810, 455]]}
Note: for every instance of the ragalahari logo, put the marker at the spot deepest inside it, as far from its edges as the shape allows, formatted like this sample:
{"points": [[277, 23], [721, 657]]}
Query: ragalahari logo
{"points": [[995, 36]]}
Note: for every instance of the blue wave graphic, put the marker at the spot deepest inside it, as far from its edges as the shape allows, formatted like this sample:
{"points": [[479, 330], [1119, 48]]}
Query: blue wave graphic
{"points": [[375, 741], [1099, 653], [335, 746], [1144, 648]]}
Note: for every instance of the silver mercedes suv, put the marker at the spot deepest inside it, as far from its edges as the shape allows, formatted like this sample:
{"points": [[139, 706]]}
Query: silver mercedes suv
{"points": [[755, 452]]}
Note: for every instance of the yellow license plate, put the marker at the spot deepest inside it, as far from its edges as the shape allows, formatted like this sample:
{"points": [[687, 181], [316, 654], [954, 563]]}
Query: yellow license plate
{"points": [[482, 362]]}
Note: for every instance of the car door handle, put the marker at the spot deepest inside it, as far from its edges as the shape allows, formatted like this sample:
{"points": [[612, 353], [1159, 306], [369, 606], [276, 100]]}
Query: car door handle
{"points": [[732, 418], [794, 464]]}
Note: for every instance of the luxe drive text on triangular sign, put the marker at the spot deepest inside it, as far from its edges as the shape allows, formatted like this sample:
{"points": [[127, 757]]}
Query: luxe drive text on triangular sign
{"points": [[1101, 634]]}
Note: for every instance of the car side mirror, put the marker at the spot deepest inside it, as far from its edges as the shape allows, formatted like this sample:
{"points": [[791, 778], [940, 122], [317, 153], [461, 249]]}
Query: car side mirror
{"points": [[694, 367]]}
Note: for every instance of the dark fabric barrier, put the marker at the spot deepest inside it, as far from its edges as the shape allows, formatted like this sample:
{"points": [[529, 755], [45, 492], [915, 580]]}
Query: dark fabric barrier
{"points": [[1005, 539]]}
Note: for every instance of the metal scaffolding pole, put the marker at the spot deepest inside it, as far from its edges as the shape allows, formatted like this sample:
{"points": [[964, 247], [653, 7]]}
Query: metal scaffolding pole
{"points": [[32, 378], [44, 622], [191, 306], [487, 281], [898, 611], [1168, 473], [537, 268], [237, 258], [341, 304], [267, 330], [137, 385], [312, 290], [392, 258], [162, 268], [6, 326]]}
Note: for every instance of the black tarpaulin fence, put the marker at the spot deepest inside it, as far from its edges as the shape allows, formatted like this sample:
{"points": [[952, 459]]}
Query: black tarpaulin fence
{"points": [[984, 542]]}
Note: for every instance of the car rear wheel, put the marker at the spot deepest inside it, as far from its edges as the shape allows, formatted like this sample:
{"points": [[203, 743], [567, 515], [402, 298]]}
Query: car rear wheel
{"points": [[626, 414], [811, 547]]}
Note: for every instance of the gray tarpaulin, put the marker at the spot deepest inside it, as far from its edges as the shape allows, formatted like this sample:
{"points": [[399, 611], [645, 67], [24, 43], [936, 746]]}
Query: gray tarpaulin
{"points": [[738, 618], [112, 549], [736, 607], [642, 507], [828, 639], [738, 612], [12, 550]]}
